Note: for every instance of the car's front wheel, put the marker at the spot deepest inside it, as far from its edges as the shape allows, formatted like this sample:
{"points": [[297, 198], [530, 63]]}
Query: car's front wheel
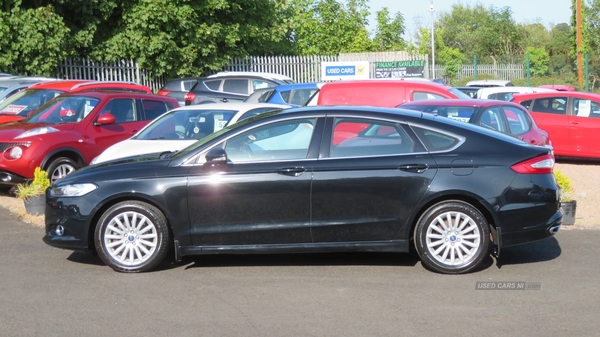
{"points": [[61, 167], [132, 236], [452, 237]]}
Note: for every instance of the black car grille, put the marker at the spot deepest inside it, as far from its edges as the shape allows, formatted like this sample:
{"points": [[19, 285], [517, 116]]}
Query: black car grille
{"points": [[4, 146]]}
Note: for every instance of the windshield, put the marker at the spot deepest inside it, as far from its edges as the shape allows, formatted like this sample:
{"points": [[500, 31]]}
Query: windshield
{"points": [[26, 101], [186, 124], [64, 110], [459, 93]]}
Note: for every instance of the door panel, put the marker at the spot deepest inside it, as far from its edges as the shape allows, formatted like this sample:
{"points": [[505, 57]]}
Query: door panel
{"points": [[262, 194], [369, 184]]}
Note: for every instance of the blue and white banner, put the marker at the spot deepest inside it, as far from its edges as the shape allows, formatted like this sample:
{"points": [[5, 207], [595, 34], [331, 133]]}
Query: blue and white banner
{"points": [[335, 71]]}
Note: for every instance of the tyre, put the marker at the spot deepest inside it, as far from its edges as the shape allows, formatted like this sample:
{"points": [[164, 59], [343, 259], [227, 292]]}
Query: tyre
{"points": [[452, 237], [61, 167], [132, 236]]}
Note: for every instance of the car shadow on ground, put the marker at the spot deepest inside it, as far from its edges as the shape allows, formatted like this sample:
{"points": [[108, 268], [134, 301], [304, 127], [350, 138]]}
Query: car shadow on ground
{"points": [[539, 251], [307, 259]]}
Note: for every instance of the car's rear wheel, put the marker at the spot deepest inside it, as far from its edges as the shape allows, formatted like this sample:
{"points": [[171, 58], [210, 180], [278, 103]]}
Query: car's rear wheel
{"points": [[132, 236], [61, 167], [452, 237]]}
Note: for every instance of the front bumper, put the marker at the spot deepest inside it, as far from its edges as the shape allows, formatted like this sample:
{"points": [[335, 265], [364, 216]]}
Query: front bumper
{"points": [[68, 223], [11, 179]]}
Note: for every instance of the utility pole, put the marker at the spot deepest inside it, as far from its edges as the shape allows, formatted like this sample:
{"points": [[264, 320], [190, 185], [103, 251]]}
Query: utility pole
{"points": [[432, 10], [579, 25]]}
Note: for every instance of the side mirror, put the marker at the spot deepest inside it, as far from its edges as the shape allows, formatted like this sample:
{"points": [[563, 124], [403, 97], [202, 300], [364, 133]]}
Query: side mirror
{"points": [[215, 158], [106, 118]]}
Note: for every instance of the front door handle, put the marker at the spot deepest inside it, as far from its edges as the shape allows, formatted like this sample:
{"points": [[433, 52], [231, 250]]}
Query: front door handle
{"points": [[291, 171], [417, 168]]}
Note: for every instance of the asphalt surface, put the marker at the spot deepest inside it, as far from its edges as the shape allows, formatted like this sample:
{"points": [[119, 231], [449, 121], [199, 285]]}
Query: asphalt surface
{"points": [[52, 292]]}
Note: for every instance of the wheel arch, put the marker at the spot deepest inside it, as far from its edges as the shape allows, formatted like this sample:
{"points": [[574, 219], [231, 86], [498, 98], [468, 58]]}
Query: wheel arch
{"points": [[482, 207], [111, 202], [70, 153]]}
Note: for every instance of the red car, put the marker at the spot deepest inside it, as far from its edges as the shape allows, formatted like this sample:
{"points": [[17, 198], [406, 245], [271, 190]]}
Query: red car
{"points": [[69, 131], [571, 118], [24, 103], [384, 93], [506, 117]]}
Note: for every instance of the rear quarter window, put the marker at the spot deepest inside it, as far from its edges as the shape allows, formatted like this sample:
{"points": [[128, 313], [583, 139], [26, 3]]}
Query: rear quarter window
{"points": [[435, 141]]}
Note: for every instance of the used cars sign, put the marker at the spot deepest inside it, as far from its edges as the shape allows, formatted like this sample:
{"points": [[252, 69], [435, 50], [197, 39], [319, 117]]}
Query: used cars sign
{"points": [[332, 71]]}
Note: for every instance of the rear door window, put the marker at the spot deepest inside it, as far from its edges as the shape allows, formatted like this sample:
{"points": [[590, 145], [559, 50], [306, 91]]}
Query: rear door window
{"points": [[236, 86], [552, 105], [153, 109]]}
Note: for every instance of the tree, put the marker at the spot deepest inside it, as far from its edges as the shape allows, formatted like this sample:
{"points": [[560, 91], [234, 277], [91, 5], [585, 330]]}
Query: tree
{"points": [[487, 32], [173, 37], [328, 27], [32, 41], [388, 35], [538, 61]]}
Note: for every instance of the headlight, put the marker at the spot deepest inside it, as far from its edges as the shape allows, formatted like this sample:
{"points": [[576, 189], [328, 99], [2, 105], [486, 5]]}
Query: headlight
{"points": [[35, 132], [75, 190], [16, 152], [94, 160]]}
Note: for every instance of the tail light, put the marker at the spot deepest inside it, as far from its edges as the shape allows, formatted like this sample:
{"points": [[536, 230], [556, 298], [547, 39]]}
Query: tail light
{"points": [[163, 92], [538, 165], [189, 98]]}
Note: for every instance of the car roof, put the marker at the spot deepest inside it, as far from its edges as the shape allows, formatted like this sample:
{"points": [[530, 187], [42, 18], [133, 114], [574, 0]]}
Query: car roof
{"points": [[24, 79], [387, 82], [292, 86], [77, 85], [115, 93], [231, 105], [490, 83], [579, 94], [458, 102], [251, 73]]}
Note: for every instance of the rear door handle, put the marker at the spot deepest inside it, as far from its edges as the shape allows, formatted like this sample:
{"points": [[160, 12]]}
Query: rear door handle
{"points": [[291, 171], [417, 168]]}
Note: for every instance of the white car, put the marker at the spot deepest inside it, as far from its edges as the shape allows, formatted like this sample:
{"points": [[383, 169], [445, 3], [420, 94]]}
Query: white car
{"points": [[178, 128], [506, 93], [489, 83]]}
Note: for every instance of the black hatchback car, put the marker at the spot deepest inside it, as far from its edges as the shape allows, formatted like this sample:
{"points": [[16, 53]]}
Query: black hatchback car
{"points": [[318, 179]]}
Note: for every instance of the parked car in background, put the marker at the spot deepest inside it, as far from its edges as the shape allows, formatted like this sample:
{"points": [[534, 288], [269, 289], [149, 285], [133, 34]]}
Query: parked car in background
{"points": [[25, 102], [278, 184], [506, 117], [506, 93], [295, 95], [224, 87], [182, 127], [67, 132], [571, 118], [13, 84], [469, 91], [489, 83], [558, 87], [178, 88], [383, 93]]}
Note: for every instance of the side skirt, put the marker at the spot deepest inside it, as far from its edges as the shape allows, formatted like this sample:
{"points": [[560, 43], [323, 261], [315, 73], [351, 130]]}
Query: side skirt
{"points": [[396, 246]]}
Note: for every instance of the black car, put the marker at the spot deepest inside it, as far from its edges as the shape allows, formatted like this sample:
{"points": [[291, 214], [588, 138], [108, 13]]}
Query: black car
{"points": [[226, 87], [315, 179]]}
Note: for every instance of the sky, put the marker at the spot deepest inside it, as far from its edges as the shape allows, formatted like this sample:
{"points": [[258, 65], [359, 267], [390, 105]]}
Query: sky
{"points": [[523, 11]]}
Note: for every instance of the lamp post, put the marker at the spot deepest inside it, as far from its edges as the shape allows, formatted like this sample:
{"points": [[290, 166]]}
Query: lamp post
{"points": [[432, 10]]}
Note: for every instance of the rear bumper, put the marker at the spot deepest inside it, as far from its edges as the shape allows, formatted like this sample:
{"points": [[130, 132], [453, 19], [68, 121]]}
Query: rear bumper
{"points": [[533, 233]]}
